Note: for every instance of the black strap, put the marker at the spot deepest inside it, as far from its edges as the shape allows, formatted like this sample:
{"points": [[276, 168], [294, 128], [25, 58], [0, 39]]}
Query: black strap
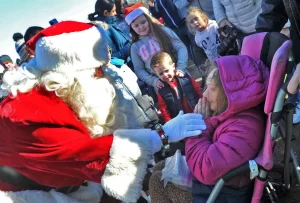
{"points": [[277, 116], [200, 5], [13, 177]]}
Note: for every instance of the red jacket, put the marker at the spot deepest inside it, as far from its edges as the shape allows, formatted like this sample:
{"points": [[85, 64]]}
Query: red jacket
{"points": [[162, 104], [42, 138]]}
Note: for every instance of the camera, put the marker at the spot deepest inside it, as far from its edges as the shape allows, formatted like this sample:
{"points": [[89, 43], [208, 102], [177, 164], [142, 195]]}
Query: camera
{"points": [[228, 37]]}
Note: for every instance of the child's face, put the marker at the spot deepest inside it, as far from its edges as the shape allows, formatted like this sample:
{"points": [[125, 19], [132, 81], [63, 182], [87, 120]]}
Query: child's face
{"points": [[165, 72], [141, 26], [198, 23]]}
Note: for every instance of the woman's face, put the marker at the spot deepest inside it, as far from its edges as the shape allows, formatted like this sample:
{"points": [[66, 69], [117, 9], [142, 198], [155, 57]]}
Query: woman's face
{"points": [[141, 26], [197, 23], [212, 94], [113, 12], [123, 5]]}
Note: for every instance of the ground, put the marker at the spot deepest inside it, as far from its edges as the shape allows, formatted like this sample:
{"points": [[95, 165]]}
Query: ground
{"points": [[294, 194]]}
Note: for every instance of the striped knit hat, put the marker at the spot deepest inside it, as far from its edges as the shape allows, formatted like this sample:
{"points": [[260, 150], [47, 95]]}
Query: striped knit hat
{"points": [[21, 46]]}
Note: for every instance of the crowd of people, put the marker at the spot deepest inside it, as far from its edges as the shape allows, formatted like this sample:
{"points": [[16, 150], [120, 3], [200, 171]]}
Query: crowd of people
{"points": [[75, 120]]}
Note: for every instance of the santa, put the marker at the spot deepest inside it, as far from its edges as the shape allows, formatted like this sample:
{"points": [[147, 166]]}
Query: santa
{"points": [[58, 125]]}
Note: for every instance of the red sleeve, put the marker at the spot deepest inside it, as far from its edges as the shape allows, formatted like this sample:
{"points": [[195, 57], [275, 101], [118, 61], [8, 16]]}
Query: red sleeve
{"points": [[163, 108], [62, 156], [196, 87], [47, 143], [56, 156]]}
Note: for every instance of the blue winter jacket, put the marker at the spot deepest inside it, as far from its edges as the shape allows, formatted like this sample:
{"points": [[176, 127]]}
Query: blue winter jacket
{"points": [[118, 40], [123, 25]]}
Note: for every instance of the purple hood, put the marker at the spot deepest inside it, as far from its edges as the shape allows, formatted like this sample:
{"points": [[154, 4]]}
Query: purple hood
{"points": [[235, 136]]}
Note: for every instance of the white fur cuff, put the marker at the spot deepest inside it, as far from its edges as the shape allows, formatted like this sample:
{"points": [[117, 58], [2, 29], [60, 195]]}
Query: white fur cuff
{"points": [[129, 154]]}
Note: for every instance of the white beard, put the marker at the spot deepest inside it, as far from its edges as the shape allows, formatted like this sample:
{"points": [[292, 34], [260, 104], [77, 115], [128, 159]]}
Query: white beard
{"points": [[91, 99]]}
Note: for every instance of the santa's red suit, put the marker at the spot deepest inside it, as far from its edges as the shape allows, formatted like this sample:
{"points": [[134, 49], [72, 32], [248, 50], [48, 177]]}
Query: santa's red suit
{"points": [[56, 106], [43, 139]]}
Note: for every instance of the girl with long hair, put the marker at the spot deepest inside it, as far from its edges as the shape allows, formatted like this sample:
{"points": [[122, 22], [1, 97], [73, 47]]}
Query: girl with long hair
{"points": [[205, 31], [150, 37]]}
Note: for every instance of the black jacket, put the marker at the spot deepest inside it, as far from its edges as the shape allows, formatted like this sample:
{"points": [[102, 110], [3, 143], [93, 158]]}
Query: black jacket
{"points": [[273, 16], [227, 194], [275, 13], [185, 89], [169, 13]]}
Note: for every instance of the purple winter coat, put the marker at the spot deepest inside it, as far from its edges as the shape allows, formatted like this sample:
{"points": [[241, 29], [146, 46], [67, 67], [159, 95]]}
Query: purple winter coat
{"points": [[235, 136]]}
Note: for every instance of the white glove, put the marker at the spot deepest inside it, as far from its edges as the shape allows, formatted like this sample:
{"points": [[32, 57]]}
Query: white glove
{"points": [[183, 126]]}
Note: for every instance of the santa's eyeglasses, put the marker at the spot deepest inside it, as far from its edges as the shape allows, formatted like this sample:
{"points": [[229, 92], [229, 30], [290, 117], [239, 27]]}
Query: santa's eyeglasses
{"points": [[109, 50]]}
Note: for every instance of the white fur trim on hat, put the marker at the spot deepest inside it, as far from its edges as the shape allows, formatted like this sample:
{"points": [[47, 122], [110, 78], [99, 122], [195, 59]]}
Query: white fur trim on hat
{"points": [[135, 14], [69, 52], [130, 153]]}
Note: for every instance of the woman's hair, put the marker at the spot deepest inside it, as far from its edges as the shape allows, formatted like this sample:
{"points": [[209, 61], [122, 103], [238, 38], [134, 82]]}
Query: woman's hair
{"points": [[216, 80], [31, 32], [156, 30], [119, 7], [194, 12], [100, 7]]}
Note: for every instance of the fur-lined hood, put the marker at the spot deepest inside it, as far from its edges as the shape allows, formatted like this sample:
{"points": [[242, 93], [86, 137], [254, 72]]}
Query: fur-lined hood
{"points": [[100, 23]]}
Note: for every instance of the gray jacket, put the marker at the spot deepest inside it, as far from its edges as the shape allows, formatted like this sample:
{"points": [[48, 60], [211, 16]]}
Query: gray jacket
{"points": [[241, 13], [126, 88], [205, 5], [146, 47]]}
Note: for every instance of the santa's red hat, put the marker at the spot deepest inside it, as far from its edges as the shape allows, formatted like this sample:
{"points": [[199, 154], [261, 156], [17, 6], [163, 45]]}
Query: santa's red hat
{"points": [[67, 47], [133, 12]]}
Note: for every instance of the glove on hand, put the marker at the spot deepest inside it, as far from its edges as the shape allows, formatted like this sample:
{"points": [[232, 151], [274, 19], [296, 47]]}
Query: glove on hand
{"points": [[183, 126]]}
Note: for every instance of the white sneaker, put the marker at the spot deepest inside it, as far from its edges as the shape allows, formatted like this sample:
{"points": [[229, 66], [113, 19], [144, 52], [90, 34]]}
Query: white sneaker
{"points": [[296, 116]]}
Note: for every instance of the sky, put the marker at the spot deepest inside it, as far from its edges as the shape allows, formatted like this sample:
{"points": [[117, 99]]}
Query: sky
{"points": [[18, 15]]}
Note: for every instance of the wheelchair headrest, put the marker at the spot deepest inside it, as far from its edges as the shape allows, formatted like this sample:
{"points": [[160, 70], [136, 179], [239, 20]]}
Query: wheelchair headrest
{"points": [[262, 46], [277, 74], [273, 49]]}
